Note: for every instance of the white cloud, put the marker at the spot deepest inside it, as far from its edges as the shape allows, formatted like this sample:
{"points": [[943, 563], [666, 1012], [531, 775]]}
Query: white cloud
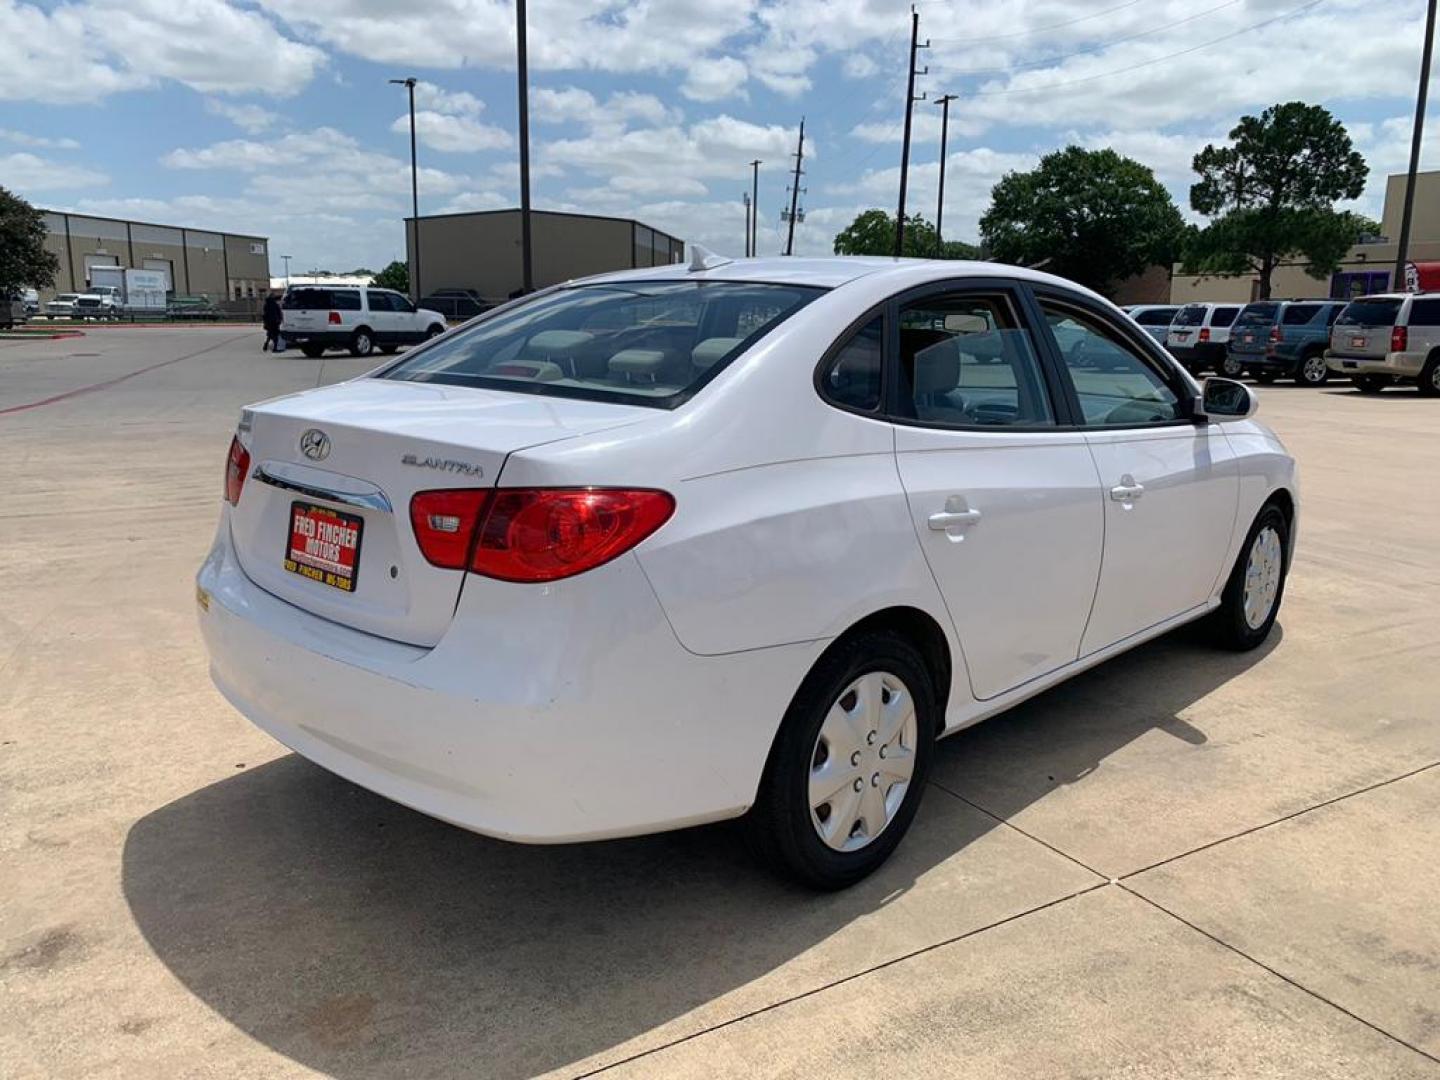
{"points": [[715, 78], [571, 105], [252, 118], [452, 102], [858, 65], [468, 201], [28, 173], [38, 142], [453, 134]]}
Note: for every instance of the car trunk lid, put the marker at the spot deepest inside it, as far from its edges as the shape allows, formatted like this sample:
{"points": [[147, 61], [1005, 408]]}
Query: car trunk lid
{"points": [[323, 520]]}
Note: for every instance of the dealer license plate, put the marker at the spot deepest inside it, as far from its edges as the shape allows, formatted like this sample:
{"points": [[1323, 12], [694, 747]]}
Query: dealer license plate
{"points": [[324, 545]]}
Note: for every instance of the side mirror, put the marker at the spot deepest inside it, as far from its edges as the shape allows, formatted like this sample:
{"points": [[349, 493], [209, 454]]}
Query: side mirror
{"points": [[1226, 399]]}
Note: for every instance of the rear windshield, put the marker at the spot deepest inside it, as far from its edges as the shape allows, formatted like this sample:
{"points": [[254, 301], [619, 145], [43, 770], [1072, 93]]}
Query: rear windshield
{"points": [[1372, 311], [641, 343], [1156, 317], [1299, 314], [1190, 315], [322, 300], [1257, 314]]}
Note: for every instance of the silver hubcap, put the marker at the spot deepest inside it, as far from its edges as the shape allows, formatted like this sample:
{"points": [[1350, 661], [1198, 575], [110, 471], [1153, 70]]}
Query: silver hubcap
{"points": [[363, 344], [863, 760], [1230, 368], [1314, 370], [1262, 577]]}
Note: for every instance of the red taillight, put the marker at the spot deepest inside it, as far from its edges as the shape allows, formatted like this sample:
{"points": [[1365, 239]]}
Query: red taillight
{"points": [[1204, 334], [237, 467], [444, 524], [534, 534], [334, 318], [1276, 335], [1399, 339]]}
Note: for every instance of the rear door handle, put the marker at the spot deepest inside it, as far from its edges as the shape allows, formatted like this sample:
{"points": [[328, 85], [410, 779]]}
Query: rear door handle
{"points": [[1127, 490], [956, 515]]}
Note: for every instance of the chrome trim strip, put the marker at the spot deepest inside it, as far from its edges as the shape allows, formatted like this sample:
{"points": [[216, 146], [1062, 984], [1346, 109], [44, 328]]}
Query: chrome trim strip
{"points": [[375, 501]]}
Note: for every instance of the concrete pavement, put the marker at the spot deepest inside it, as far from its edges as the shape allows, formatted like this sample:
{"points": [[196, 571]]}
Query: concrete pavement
{"points": [[1184, 863]]}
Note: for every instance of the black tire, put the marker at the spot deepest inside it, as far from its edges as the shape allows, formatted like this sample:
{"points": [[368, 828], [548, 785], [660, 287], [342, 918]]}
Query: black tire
{"points": [[1370, 384], [1265, 378], [1310, 373], [362, 342], [781, 826], [1232, 628], [389, 350], [1429, 380], [1231, 368], [434, 331], [314, 352]]}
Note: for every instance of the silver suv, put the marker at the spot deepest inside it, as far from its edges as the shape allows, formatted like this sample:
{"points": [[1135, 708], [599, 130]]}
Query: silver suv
{"points": [[1386, 339]]}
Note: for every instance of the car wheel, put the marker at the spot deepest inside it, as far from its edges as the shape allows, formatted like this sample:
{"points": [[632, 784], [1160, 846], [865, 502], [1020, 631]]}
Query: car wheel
{"points": [[433, 332], [314, 352], [1370, 384], [848, 767], [363, 343], [1231, 368], [1313, 371], [1429, 381], [1257, 583]]}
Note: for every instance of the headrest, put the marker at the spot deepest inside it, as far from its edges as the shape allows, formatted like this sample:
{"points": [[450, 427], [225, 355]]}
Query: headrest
{"points": [[558, 342], [709, 351], [637, 361], [937, 368]]}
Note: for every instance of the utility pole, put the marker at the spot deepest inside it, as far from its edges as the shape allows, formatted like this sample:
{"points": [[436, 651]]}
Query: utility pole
{"points": [[795, 190], [910, 100], [409, 85], [944, 104], [1401, 250], [527, 277], [287, 270], [755, 207], [745, 198]]}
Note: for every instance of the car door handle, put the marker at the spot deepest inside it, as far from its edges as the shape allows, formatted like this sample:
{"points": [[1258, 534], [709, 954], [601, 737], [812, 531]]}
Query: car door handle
{"points": [[1127, 490], [953, 519]]}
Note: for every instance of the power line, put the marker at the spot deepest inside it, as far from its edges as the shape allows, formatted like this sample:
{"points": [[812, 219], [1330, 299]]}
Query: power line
{"points": [[1031, 32]]}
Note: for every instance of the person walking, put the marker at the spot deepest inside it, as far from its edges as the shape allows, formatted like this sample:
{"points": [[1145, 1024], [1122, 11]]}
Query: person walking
{"points": [[271, 318]]}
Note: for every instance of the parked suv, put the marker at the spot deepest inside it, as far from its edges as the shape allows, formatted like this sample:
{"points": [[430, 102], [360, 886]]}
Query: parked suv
{"points": [[1155, 318], [362, 320], [1387, 339], [1274, 339], [457, 305], [1199, 334]]}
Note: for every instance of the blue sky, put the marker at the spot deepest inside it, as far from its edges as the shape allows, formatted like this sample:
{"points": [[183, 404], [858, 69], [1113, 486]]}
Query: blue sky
{"points": [[274, 116]]}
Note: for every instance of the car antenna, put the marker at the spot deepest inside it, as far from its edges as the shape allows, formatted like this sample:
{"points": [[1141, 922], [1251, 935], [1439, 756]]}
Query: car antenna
{"points": [[702, 258]]}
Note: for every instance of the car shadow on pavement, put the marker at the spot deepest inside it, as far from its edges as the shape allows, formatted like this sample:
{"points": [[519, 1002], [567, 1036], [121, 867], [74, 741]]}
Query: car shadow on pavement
{"points": [[360, 938]]}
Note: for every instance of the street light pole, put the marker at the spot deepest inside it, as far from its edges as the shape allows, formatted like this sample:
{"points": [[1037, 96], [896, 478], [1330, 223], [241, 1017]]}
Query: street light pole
{"points": [[415, 294], [287, 270], [527, 278], [754, 237], [1401, 249]]}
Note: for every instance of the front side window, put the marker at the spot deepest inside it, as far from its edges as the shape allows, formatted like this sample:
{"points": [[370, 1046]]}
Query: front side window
{"points": [[638, 342], [1117, 387], [852, 378], [966, 361]]}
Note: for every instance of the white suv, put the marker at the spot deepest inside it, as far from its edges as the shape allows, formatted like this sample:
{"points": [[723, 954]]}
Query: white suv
{"points": [[320, 317], [1199, 335]]}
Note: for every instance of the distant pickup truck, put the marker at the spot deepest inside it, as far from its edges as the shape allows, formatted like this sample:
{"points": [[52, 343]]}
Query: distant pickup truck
{"points": [[191, 307]]}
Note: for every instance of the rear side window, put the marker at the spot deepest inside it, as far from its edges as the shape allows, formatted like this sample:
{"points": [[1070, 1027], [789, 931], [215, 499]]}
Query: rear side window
{"points": [[1191, 315], [852, 378], [638, 342], [1425, 312], [1299, 314], [1156, 317], [1373, 311], [1224, 316], [307, 299], [1257, 314]]}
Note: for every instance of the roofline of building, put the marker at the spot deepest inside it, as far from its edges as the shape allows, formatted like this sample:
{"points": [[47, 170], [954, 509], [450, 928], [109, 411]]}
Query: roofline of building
{"points": [[153, 224], [551, 213]]}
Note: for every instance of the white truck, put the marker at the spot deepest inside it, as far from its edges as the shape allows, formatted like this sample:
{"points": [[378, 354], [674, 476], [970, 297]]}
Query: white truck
{"points": [[136, 292]]}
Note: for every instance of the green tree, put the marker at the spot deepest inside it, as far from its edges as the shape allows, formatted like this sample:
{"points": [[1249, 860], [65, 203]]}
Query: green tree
{"points": [[1089, 215], [1271, 193], [395, 276], [24, 260], [873, 233]]}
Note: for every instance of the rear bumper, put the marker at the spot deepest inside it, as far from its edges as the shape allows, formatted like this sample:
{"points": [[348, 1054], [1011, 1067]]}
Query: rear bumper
{"points": [[1204, 354], [546, 713], [1406, 365]]}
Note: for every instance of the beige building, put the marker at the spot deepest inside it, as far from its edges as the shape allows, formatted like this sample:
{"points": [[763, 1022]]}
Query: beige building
{"points": [[198, 262], [481, 251], [1367, 268]]}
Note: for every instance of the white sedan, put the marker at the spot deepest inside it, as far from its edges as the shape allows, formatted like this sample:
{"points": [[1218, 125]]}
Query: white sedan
{"points": [[739, 538]]}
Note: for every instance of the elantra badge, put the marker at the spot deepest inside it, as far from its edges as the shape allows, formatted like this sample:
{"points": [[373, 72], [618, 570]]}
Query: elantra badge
{"points": [[463, 468]]}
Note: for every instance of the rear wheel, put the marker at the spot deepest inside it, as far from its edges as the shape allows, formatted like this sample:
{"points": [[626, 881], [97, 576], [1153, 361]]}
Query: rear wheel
{"points": [[1257, 583], [1231, 368], [849, 764], [362, 343], [1429, 381], [1370, 384], [314, 352], [434, 331], [1313, 370]]}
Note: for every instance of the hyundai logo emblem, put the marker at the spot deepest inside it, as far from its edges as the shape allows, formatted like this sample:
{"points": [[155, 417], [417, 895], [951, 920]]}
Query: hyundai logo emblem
{"points": [[315, 444]]}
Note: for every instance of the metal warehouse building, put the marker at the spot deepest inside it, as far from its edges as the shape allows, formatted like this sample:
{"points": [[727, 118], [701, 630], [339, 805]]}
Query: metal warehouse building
{"points": [[199, 262], [481, 251]]}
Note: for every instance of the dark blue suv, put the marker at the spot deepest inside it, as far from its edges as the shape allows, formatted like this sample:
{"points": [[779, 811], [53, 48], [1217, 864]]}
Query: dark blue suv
{"points": [[1283, 339]]}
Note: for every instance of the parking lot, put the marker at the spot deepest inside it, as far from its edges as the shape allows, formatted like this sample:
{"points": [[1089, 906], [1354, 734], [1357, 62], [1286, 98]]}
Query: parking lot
{"points": [[1183, 863]]}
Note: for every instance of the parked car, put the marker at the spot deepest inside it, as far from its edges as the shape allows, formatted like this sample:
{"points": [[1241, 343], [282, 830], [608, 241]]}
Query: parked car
{"points": [[1383, 340], [31, 299], [62, 306], [1283, 339], [362, 320], [680, 544], [457, 305], [1155, 318], [1198, 336], [191, 307], [95, 305], [12, 311]]}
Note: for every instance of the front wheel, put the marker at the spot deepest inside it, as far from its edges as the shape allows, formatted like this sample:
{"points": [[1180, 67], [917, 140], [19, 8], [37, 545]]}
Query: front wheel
{"points": [[1251, 599], [1231, 368], [848, 767], [1313, 371]]}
